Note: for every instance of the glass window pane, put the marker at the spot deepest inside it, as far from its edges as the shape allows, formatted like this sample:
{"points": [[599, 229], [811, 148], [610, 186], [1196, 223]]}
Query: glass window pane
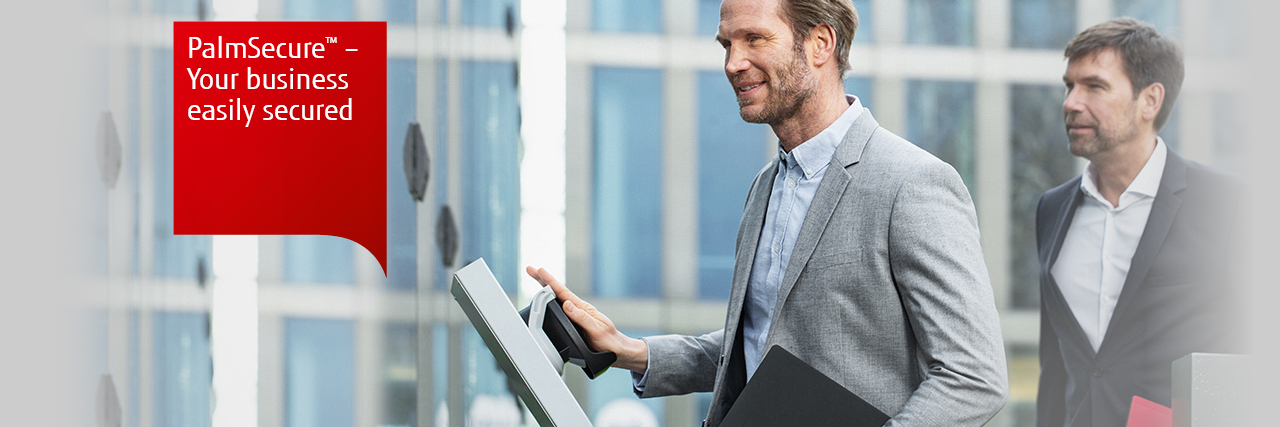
{"points": [[400, 375], [319, 10], [178, 7], [708, 17], [490, 217], [627, 200], [1039, 160], [316, 259], [940, 120], [402, 221], [611, 401], [940, 22], [440, 164], [488, 397], [183, 369], [175, 256], [319, 364], [1043, 24], [1164, 15], [860, 87], [490, 13], [866, 32], [631, 16], [730, 152], [400, 11]]}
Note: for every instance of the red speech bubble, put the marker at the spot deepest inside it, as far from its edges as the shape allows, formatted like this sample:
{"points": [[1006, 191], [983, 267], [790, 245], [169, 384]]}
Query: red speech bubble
{"points": [[280, 128]]}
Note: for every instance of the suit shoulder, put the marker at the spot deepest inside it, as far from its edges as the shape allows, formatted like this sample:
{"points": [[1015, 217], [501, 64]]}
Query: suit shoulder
{"points": [[896, 156]]}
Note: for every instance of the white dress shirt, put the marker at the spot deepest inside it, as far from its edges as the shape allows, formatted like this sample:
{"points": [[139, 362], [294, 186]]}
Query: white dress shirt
{"points": [[1094, 260]]}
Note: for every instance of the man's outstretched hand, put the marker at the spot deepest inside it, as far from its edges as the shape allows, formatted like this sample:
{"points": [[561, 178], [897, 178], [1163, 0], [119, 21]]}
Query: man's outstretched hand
{"points": [[633, 354]]}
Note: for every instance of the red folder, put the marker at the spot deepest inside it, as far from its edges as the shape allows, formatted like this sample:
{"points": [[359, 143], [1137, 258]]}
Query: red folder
{"points": [[1145, 413]]}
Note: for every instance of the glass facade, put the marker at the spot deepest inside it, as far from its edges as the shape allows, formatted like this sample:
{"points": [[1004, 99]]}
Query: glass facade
{"points": [[491, 13], [1164, 15], [320, 10], [627, 199], [175, 256], [183, 374], [319, 368], [1043, 24], [1039, 160], [402, 230], [630, 16], [940, 120], [940, 22], [313, 259], [730, 153], [490, 217]]}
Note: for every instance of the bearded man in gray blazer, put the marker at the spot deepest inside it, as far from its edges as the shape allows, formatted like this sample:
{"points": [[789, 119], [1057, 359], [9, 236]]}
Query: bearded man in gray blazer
{"points": [[858, 252], [1134, 253]]}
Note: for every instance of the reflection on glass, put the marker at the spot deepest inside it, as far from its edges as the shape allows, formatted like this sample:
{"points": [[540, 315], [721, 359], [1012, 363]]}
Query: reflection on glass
{"points": [[940, 120], [319, 373], [175, 256], [183, 369], [940, 22], [489, 13], [320, 10], [611, 401], [627, 200], [1039, 160], [490, 215], [490, 400], [402, 221], [630, 16], [316, 259], [1164, 15], [730, 152], [1043, 24], [400, 375]]}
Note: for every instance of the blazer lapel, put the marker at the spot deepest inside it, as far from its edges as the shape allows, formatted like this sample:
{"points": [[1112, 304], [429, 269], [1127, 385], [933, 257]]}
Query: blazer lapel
{"points": [[1053, 295], [824, 203], [752, 221], [1163, 211]]}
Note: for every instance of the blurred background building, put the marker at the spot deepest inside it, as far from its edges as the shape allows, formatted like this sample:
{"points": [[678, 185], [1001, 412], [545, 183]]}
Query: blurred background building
{"points": [[595, 137]]}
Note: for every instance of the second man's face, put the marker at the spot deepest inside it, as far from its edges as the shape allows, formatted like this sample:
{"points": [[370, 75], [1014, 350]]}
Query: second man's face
{"points": [[770, 76], [1100, 110]]}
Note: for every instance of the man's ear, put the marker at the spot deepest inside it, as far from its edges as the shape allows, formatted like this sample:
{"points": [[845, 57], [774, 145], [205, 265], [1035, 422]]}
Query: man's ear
{"points": [[822, 38], [1150, 100]]}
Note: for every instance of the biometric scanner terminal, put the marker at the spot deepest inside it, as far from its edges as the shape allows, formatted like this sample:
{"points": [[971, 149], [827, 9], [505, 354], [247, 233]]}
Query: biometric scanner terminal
{"points": [[531, 346]]}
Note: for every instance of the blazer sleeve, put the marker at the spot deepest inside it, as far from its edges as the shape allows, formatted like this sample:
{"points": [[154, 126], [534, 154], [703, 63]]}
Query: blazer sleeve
{"points": [[1051, 405], [937, 266], [681, 364]]}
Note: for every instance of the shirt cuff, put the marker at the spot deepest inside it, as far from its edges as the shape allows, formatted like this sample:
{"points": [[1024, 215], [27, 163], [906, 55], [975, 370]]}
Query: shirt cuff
{"points": [[637, 380]]}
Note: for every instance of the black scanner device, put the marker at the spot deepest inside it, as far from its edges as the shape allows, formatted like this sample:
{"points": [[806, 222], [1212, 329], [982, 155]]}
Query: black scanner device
{"points": [[567, 338]]}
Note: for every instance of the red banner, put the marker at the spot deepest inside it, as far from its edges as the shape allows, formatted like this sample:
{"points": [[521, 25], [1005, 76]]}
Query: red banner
{"points": [[281, 128]]}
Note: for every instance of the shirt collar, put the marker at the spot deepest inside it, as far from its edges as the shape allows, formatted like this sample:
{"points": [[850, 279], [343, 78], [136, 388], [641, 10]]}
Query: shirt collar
{"points": [[814, 155], [1146, 184]]}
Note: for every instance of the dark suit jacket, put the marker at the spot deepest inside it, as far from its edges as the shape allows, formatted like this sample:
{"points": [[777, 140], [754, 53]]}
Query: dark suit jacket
{"points": [[1177, 299]]}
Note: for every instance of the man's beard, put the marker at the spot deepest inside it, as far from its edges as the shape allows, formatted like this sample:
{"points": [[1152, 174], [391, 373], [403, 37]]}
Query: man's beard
{"points": [[787, 93], [1102, 140]]}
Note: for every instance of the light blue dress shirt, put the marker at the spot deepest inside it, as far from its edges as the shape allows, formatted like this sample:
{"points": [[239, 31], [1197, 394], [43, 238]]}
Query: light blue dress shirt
{"points": [[799, 173]]}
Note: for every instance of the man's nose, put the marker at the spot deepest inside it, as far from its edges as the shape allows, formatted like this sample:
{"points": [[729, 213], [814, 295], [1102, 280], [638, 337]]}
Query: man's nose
{"points": [[1072, 103], [735, 61]]}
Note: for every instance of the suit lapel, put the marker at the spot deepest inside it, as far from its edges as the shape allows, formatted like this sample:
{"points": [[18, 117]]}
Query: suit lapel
{"points": [[1053, 295], [748, 239], [824, 204], [1163, 211]]}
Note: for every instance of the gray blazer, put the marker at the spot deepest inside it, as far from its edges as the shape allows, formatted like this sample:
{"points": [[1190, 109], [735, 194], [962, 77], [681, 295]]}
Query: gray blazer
{"points": [[886, 292], [1178, 298]]}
